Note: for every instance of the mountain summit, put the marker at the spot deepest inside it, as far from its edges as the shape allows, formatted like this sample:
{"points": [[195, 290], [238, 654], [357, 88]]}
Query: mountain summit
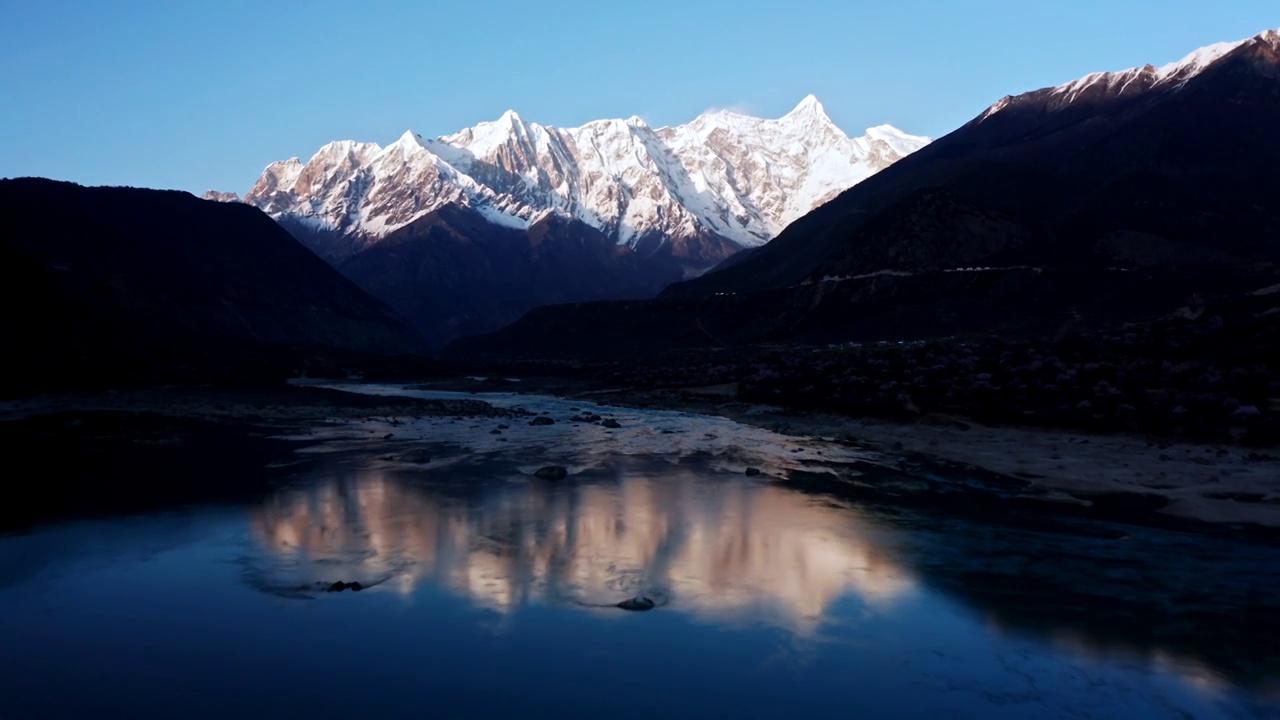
{"points": [[702, 190]]}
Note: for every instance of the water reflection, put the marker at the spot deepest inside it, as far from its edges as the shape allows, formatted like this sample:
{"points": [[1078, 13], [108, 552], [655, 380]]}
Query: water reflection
{"points": [[721, 549], [728, 550]]}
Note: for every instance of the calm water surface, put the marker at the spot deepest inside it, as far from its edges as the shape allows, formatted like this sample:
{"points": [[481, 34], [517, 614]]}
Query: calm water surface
{"points": [[490, 594]]}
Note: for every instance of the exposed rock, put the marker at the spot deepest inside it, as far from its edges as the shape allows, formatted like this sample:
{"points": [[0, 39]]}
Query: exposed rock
{"points": [[638, 602], [611, 424], [551, 472], [340, 586], [542, 420]]}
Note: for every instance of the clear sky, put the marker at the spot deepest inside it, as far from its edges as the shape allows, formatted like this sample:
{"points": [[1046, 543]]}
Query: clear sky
{"points": [[198, 95]]}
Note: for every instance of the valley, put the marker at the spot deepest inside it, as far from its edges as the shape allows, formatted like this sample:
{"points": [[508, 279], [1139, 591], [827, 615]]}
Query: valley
{"points": [[740, 415]]}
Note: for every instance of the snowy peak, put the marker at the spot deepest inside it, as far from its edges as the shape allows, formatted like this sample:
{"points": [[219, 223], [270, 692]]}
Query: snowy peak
{"points": [[407, 145], [898, 142], [724, 175], [808, 107], [408, 139], [219, 196], [1134, 81], [1200, 60]]}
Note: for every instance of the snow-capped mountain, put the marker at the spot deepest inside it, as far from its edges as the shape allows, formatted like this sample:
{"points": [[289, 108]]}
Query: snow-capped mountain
{"points": [[218, 196], [725, 176], [1150, 165], [1113, 199], [1100, 86]]}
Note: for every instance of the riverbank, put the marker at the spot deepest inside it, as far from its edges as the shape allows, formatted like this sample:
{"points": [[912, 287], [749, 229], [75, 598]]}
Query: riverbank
{"points": [[1136, 478], [135, 451], [1220, 484], [280, 407]]}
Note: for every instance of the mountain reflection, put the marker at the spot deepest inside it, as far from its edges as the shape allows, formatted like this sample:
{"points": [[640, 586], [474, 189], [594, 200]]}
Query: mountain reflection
{"points": [[725, 550]]}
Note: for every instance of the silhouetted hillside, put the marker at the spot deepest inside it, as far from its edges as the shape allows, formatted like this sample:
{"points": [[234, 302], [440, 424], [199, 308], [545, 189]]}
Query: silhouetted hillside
{"points": [[107, 285]]}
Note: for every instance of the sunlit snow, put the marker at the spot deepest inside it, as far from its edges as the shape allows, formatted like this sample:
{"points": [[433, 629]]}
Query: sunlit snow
{"points": [[740, 177]]}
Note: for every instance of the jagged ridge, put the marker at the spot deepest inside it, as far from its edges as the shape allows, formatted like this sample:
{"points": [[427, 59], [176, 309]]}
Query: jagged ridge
{"points": [[725, 175]]}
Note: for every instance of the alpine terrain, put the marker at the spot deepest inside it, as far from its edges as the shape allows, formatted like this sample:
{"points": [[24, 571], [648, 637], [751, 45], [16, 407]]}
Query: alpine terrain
{"points": [[1119, 196], [516, 214]]}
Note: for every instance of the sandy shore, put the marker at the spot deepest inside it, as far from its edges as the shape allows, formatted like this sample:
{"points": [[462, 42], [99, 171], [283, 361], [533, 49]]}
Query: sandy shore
{"points": [[1218, 484], [1207, 483]]}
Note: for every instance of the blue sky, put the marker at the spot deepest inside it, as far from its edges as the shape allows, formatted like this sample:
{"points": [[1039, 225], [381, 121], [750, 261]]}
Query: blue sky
{"points": [[198, 95]]}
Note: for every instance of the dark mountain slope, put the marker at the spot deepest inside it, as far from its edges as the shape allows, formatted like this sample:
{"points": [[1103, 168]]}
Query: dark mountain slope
{"points": [[104, 285], [1189, 159], [453, 273]]}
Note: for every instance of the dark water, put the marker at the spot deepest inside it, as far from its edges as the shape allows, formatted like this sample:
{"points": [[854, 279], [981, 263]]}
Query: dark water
{"points": [[488, 595]]}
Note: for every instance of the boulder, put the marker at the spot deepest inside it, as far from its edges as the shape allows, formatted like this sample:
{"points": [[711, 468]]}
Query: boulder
{"points": [[551, 472], [638, 602]]}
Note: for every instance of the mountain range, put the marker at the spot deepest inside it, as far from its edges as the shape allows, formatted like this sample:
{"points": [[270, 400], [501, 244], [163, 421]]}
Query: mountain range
{"points": [[466, 232], [1116, 196], [727, 176]]}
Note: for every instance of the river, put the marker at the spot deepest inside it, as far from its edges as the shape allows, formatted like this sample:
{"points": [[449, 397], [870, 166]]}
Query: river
{"points": [[486, 591]]}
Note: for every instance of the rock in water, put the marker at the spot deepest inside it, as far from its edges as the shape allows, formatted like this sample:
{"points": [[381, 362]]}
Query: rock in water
{"points": [[551, 472], [753, 471], [417, 457], [611, 424], [638, 602], [340, 586], [542, 420]]}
